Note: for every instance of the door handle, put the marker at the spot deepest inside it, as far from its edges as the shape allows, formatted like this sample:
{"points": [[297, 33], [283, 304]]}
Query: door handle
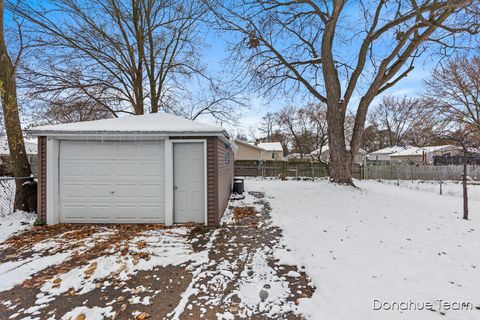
{"points": [[175, 188]]}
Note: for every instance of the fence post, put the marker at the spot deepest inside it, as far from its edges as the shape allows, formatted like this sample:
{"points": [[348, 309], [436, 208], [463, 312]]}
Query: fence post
{"points": [[465, 192]]}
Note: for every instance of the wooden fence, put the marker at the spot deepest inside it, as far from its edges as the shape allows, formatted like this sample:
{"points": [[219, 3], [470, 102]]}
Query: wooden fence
{"points": [[249, 168], [422, 172]]}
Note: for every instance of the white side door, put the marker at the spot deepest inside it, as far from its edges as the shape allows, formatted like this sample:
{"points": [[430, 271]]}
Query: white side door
{"points": [[112, 182], [189, 182]]}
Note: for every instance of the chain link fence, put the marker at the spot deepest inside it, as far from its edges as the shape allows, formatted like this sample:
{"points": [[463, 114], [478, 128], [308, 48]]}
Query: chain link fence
{"points": [[445, 180], [7, 193], [459, 180]]}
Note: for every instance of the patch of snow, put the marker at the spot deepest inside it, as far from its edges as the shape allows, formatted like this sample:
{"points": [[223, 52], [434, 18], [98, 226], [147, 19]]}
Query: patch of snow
{"points": [[13, 273], [200, 265], [164, 247], [261, 290], [14, 223], [160, 123], [293, 274], [95, 313], [225, 316]]}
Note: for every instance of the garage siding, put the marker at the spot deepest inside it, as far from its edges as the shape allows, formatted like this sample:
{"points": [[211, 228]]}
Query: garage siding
{"points": [[225, 163], [42, 180], [219, 178]]}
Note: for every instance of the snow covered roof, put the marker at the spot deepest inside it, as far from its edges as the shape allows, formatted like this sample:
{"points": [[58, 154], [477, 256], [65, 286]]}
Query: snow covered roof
{"points": [[390, 150], [270, 146], [159, 123], [30, 146], [417, 151], [248, 144]]}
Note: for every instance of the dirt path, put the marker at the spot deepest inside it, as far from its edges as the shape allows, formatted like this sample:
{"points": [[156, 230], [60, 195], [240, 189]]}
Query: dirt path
{"points": [[245, 280], [152, 272]]}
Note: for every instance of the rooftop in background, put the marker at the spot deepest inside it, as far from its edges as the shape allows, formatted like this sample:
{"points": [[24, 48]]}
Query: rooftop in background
{"points": [[159, 123], [248, 144], [30, 146], [416, 151], [270, 146], [391, 150]]}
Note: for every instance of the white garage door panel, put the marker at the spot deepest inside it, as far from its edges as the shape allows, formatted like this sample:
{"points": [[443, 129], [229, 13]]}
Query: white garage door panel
{"points": [[112, 182]]}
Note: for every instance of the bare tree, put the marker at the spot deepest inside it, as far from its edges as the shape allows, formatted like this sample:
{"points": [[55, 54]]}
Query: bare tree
{"points": [[62, 112], [11, 117], [318, 128], [374, 138], [305, 128], [401, 118], [332, 50], [268, 124], [455, 90], [220, 102], [125, 56]]}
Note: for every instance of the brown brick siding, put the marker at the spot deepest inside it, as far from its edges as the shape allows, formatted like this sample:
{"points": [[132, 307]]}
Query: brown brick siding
{"points": [[42, 180]]}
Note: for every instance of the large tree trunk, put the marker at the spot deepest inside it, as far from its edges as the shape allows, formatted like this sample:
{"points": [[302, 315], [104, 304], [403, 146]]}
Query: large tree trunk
{"points": [[340, 158], [18, 156]]}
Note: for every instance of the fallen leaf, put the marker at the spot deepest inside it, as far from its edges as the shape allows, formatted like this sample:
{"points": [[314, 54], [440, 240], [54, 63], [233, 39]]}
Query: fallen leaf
{"points": [[81, 316], [143, 315]]}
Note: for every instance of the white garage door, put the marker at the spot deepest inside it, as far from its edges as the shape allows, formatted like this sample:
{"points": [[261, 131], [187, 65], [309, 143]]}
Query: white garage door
{"points": [[112, 182]]}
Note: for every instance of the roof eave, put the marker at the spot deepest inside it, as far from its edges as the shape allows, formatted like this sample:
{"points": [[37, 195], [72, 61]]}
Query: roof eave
{"points": [[57, 133]]}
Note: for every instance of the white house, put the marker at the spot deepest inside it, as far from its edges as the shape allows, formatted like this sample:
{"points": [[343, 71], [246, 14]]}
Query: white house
{"points": [[425, 154], [385, 154], [272, 150]]}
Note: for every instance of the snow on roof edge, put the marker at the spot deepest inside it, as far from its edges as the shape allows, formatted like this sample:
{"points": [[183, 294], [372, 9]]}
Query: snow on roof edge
{"points": [[141, 124]]}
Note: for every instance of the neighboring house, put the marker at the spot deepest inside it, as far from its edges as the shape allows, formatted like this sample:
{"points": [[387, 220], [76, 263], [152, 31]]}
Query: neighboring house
{"points": [[30, 148], [325, 155], [384, 155], [248, 151], [425, 154], [153, 168], [272, 150], [260, 151]]}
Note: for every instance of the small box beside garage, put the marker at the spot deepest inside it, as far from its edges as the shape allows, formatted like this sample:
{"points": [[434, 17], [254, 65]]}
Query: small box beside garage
{"points": [[154, 168]]}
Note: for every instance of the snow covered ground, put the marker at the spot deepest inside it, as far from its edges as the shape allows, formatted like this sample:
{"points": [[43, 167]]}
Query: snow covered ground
{"points": [[380, 244], [15, 222], [449, 188]]}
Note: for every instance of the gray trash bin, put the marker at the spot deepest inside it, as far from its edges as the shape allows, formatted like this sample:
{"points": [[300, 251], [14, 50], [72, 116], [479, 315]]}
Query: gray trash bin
{"points": [[238, 186]]}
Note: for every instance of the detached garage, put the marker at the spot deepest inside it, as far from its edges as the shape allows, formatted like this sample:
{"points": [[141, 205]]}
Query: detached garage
{"points": [[153, 168]]}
